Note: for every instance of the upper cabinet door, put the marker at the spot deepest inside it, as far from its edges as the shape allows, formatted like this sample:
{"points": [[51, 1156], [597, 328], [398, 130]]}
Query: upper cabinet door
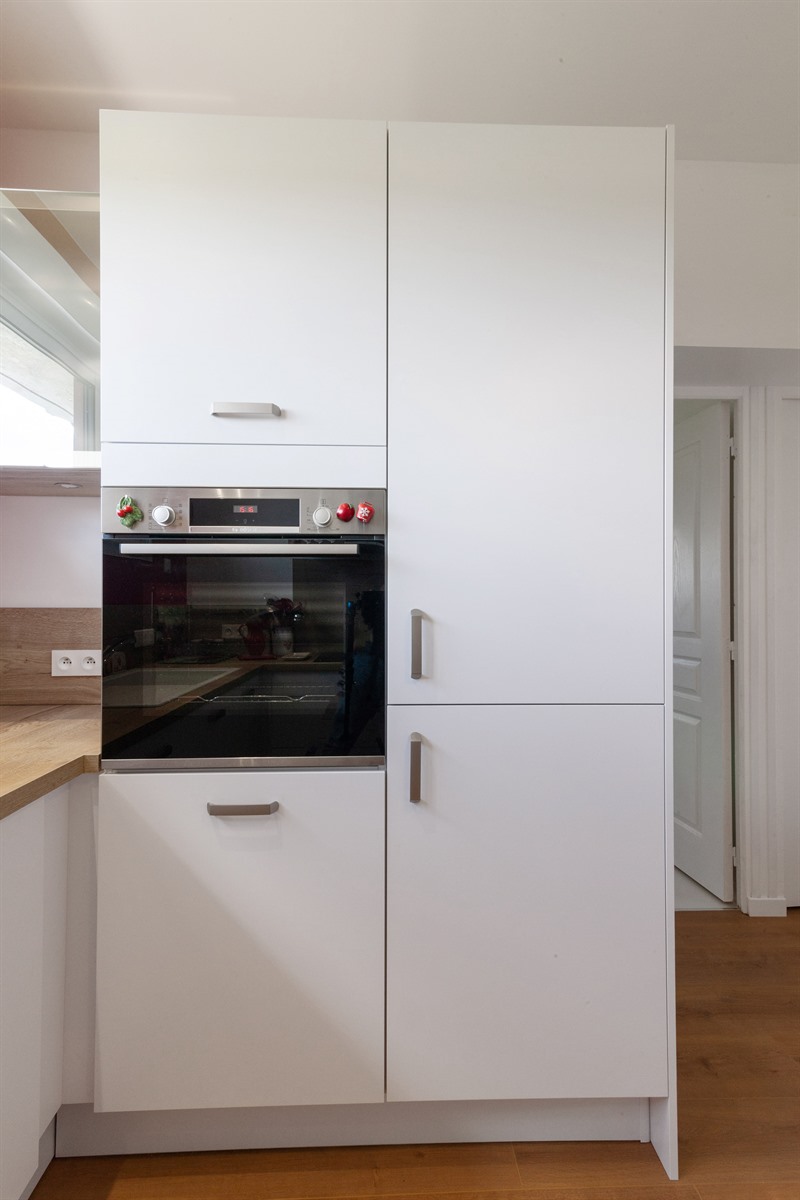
{"points": [[526, 414], [244, 262]]}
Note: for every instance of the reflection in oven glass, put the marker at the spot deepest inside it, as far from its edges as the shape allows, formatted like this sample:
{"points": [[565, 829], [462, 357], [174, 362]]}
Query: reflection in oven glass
{"points": [[235, 658]]}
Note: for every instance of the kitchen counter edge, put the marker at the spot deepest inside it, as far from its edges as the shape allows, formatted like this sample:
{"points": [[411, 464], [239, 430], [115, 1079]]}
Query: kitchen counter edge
{"points": [[43, 747]]}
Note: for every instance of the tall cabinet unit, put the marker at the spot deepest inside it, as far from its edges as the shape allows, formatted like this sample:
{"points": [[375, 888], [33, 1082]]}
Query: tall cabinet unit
{"points": [[526, 938], [525, 848]]}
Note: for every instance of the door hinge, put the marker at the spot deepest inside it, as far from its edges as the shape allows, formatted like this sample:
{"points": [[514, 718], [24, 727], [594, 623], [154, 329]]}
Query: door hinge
{"points": [[734, 856], [732, 447], [732, 648]]}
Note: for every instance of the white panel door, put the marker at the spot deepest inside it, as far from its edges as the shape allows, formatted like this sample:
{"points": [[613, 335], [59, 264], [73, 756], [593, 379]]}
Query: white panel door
{"points": [[701, 650], [526, 397], [525, 903], [240, 958], [244, 260]]}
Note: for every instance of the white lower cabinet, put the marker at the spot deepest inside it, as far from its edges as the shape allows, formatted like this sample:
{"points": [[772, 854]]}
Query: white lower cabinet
{"points": [[33, 890], [526, 918], [240, 957]]}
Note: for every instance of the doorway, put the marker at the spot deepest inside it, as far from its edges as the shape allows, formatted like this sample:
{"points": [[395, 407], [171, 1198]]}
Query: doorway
{"points": [[703, 653]]}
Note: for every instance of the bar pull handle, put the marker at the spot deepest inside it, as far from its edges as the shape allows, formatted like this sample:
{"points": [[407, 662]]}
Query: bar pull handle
{"points": [[226, 408], [416, 643], [260, 549], [415, 773], [243, 810]]}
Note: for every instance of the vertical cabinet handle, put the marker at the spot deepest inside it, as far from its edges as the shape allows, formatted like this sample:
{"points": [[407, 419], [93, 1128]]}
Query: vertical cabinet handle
{"points": [[415, 777], [416, 643], [243, 810]]}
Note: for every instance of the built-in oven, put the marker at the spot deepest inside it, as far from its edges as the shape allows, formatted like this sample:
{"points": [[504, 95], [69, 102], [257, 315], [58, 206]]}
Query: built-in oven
{"points": [[243, 627]]}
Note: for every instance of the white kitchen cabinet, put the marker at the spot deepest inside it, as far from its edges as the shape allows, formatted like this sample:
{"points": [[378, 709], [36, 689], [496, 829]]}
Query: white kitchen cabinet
{"points": [[240, 958], [525, 903], [528, 953], [526, 414], [33, 885], [244, 262]]}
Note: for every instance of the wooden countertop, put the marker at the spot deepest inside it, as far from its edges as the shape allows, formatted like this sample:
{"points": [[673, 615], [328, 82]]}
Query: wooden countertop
{"points": [[44, 746]]}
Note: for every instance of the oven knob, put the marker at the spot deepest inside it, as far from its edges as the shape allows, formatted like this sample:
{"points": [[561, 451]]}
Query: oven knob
{"points": [[365, 512], [163, 514], [322, 517]]}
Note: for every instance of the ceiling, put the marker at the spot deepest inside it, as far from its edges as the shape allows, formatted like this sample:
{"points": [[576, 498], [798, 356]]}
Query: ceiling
{"points": [[725, 72]]}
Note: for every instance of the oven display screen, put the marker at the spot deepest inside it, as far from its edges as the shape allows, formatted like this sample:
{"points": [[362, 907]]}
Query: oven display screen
{"points": [[267, 514]]}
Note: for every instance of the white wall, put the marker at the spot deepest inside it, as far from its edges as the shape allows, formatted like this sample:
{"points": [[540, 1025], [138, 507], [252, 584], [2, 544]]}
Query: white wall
{"points": [[714, 366], [50, 554], [49, 160], [737, 254]]}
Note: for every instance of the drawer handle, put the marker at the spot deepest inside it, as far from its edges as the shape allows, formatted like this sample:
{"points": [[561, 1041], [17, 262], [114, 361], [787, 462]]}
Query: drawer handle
{"points": [[416, 643], [415, 778], [243, 810], [226, 408]]}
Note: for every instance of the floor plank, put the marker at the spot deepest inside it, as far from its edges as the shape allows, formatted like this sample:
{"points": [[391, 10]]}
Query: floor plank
{"points": [[588, 1164], [748, 1191]]}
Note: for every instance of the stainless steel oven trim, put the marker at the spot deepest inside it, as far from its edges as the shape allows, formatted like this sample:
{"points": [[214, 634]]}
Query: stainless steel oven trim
{"points": [[179, 499], [307, 763]]}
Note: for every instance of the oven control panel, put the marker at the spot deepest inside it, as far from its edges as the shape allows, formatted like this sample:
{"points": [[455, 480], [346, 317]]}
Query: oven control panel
{"points": [[244, 511]]}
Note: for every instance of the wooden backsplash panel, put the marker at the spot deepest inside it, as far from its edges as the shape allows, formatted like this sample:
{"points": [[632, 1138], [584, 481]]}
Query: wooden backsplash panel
{"points": [[27, 637]]}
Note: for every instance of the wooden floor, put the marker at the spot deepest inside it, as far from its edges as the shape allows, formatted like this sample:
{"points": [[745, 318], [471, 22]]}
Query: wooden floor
{"points": [[739, 1098]]}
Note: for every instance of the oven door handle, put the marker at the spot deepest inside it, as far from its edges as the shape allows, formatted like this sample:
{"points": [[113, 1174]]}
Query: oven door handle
{"points": [[287, 550]]}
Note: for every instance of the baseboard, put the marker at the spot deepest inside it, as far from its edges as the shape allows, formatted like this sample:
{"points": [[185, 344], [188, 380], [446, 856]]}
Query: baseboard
{"points": [[766, 906], [81, 1131]]}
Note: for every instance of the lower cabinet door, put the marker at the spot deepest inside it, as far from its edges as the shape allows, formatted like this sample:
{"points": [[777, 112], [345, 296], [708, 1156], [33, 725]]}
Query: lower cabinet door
{"points": [[240, 957], [526, 923]]}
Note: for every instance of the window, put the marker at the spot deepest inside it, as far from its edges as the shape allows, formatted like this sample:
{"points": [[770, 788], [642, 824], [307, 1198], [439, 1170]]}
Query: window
{"points": [[49, 327]]}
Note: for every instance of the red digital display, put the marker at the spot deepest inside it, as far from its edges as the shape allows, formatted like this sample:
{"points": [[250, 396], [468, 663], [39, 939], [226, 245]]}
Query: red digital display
{"points": [[245, 508]]}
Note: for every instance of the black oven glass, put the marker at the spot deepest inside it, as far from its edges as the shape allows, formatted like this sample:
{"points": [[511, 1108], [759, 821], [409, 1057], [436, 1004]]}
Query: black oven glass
{"points": [[228, 656], [271, 513]]}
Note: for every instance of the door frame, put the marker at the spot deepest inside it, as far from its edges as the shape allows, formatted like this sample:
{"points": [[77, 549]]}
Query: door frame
{"points": [[757, 816]]}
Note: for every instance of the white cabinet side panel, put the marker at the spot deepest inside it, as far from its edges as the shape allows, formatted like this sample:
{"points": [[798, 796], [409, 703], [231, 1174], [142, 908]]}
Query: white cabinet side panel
{"points": [[240, 959], [79, 991], [526, 903], [54, 947], [526, 399], [21, 924]]}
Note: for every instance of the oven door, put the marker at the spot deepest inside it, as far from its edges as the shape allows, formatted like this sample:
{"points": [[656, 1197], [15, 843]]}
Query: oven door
{"points": [[222, 652]]}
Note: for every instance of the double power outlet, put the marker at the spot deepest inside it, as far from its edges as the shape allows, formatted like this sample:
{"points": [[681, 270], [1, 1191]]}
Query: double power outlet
{"points": [[76, 662]]}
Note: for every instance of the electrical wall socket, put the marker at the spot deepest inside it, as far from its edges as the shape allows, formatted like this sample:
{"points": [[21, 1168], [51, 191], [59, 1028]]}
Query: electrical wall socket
{"points": [[76, 662]]}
